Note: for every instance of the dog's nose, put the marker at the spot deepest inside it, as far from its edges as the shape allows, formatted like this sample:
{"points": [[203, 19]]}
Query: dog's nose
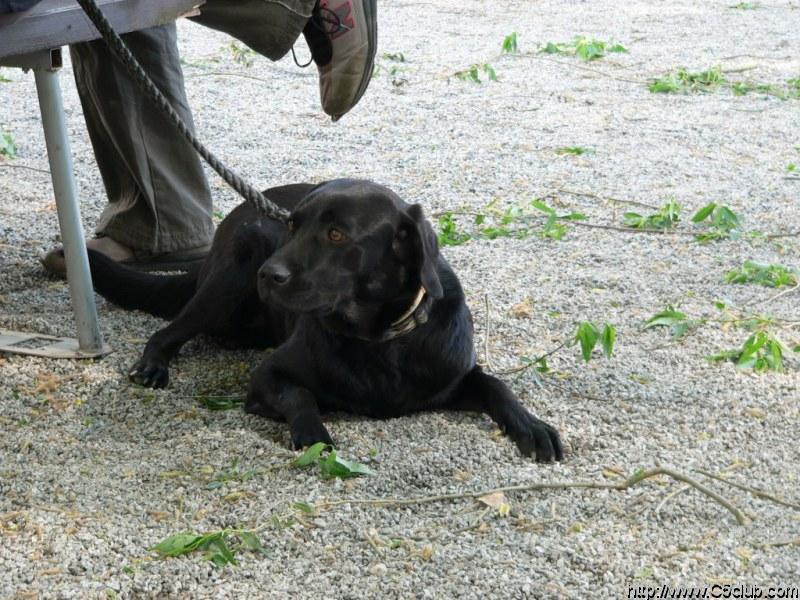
{"points": [[276, 273]]}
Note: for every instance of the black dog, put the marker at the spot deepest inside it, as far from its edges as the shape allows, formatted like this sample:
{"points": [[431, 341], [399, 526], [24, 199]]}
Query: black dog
{"points": [[364, 314]]}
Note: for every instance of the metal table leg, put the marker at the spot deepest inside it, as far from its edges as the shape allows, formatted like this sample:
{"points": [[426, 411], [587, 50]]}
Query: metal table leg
{"points": [[90, 342]]}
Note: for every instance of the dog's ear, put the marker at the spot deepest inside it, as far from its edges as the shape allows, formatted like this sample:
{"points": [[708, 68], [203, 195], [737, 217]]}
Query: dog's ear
{"points": [[415, 240]]}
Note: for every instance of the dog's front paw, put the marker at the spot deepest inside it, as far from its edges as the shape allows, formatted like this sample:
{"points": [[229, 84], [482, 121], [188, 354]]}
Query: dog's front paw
{"points": [[535, 437], [307, 430], [149, 373]]}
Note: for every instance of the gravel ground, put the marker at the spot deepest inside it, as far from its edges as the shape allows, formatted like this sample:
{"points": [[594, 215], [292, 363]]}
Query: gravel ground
{"points": [[94, 470]]}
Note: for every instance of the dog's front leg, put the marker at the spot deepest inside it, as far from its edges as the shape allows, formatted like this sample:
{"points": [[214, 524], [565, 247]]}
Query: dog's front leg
{"points": [[482, 392], [274, 395]]}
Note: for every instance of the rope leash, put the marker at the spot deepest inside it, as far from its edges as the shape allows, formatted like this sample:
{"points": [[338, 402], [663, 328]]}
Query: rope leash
{"points": [[121, 51]]}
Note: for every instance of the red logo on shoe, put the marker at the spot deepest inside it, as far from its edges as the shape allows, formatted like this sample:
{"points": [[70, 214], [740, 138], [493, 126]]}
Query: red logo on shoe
{"points": [[342, 22]]}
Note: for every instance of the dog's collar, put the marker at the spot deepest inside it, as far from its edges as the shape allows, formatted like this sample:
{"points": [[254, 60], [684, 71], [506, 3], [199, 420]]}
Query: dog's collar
{"points": [[409, 320]]}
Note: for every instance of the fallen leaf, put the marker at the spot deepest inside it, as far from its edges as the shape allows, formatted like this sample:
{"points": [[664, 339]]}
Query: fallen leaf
{"points": [[756, 413], [644, 573], [171, 474], [46, 383], [522, 310], [236, 496], [460, 475], [576, 527], [427, 552], [495, 500], [744, 553]]}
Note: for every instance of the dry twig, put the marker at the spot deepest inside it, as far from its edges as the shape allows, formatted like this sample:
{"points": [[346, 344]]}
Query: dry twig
{"points": [[756, 492], [26, 167], [556, 485], [773, 297], [779, 544], [532, 362], [574, 65], [605, 198]]}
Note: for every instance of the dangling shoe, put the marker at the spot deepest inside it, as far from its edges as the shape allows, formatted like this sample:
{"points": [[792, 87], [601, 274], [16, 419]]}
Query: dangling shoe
{"points": [[343, 37]]}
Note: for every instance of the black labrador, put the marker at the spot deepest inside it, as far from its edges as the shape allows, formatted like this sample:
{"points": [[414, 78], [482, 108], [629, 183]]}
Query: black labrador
{"points": [[364, 314]]}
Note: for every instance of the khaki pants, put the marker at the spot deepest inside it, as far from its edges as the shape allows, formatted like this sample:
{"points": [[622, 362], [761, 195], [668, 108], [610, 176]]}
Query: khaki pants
{"points": [[158, 197]]}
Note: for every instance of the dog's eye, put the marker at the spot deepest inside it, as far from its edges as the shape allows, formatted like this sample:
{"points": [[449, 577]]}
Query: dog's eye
{"points": [[335, 235]]}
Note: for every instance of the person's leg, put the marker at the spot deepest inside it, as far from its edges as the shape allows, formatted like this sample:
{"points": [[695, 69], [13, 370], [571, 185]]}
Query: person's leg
{"points": [[159, 200], [270, 27]]}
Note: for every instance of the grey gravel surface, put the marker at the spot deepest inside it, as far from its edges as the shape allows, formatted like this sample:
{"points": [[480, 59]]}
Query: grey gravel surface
{"points": [[94, 470]]}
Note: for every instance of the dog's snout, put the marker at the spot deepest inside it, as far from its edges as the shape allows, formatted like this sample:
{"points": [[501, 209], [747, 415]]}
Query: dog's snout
{"points": [[276, 273]]}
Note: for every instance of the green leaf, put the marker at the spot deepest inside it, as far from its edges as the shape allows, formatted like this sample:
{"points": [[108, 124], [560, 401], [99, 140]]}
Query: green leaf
{"points": [[724, 223], [303, 507], [762, 351], [217, 551], [666, 85], [587, 335], [553, 48], [493, 233], [510, 43], [680, 329], [178, 544], [539, 205], [552, 229], [7, 146], [394, 56], [607, 339], [666, 318], [573, 150], [449, 235], [774, 275], [644, 573], [702, 214], [335, 466], [589, 49], [774, 355], [541, 365], [573, 216], [666, 217], [724, 355], [220, 402], [633, 219], [311, 455], [251, 542], [726, 218], [473, 73]]}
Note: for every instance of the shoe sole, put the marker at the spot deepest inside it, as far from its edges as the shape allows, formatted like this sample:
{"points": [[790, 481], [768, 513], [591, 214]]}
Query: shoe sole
{"points": [[58, 267], [187, 264], [370, 15]]}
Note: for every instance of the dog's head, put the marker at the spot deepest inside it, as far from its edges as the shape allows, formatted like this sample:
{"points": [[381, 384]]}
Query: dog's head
{"points": [[356, 255]]}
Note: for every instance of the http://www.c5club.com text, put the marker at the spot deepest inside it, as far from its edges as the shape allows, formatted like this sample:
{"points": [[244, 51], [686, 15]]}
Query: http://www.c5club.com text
{"points": [[723, 591]]}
